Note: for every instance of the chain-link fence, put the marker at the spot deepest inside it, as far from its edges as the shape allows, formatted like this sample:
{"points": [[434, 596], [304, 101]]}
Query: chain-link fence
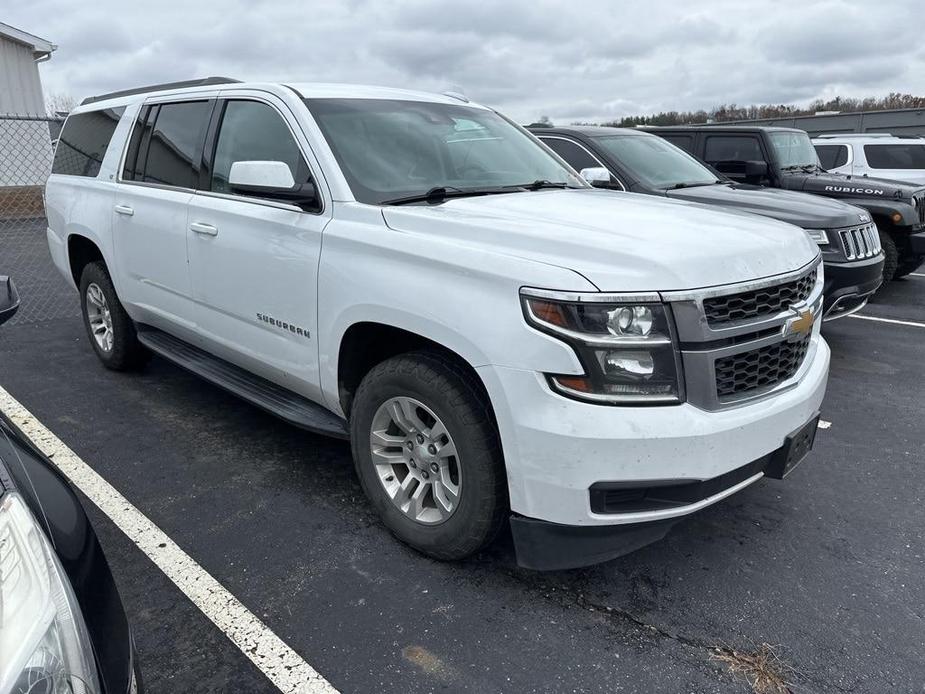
{"points": [[26, 151]]}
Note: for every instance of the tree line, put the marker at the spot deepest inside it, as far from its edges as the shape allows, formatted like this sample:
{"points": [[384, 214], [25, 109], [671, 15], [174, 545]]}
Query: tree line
{"points": [[728, 112]]}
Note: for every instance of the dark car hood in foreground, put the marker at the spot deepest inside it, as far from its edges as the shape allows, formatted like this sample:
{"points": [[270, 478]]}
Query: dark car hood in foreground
{"points": [[55, 506], [844, 186], [807, 211]]}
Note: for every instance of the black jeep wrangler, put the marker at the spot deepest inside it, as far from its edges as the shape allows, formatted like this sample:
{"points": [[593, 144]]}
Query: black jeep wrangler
{"points": [[785, 158]]}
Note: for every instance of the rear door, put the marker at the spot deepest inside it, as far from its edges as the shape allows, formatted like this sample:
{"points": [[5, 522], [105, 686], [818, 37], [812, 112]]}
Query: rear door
{"points": [[904, 161], [254, 261], [149, 216]]}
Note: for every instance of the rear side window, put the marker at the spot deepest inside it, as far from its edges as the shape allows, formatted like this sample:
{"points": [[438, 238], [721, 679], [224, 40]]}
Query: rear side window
{"points": [[685, 142], [574, 154], [905, 156], [168, 148], [84, 140], [732, 148], [832, 156]]}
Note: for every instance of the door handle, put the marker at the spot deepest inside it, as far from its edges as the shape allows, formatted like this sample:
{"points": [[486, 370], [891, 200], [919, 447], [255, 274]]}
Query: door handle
{"points": [[124, 209], [205, 229]]}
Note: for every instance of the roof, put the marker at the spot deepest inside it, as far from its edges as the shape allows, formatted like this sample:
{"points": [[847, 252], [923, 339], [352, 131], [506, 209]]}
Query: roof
{"points": [[307, 90], [41, 48], [720, 126], [324, 90], [586, 130]]}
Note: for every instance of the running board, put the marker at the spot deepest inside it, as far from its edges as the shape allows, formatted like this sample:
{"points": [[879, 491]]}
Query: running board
{"points": [[258, 391]]}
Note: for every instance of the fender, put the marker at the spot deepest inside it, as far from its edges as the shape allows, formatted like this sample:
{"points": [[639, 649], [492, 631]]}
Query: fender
{"points": [[886, 208]]}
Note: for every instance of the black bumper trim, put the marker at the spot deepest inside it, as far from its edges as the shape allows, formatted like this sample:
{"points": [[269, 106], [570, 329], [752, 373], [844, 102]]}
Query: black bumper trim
{"points": [[857, 279], [917, 243]]}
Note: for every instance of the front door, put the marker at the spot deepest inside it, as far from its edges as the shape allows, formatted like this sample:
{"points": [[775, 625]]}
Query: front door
{"points": [[254, 262]]}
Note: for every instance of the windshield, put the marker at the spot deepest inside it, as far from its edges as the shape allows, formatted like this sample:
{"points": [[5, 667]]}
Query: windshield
{"points": [[389, 149], [657, 162], [794, 150]]}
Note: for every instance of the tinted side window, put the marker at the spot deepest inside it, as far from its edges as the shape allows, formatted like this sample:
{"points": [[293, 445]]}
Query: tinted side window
{"points": [[134, 164], [906, 156], [832, 156], [174, 153], [254, 131], [84, 141], [574, 155], [685, 142], [727, 148]]}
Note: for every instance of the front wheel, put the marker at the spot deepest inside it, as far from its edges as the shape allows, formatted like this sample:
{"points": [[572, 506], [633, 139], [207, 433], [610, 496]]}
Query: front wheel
{"points": [[427, 454], [890, 256]]}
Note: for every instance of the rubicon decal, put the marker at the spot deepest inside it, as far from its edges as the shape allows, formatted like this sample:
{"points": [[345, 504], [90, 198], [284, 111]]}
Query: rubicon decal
{"points": [[294, 329], [857, 191]]}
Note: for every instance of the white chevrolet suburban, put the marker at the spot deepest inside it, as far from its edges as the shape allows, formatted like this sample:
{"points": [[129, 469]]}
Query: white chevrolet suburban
{"points": [[498, 340]]}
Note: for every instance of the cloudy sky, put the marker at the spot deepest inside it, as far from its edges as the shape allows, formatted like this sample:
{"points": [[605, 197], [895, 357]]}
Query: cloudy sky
{"points": [[588, 61]]}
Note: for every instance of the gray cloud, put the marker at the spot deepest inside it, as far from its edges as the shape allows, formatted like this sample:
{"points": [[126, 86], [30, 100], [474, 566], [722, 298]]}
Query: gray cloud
{"points": [[587, 62]]}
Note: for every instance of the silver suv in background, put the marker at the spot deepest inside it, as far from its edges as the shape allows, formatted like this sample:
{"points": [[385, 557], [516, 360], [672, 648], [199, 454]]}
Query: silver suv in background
{"points": [[880, 155]]}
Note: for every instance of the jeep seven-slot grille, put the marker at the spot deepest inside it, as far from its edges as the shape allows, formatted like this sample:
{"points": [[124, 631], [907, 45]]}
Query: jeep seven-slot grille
{"points": [[920, 206], [758, 302], [860, 242], [760, 368]]}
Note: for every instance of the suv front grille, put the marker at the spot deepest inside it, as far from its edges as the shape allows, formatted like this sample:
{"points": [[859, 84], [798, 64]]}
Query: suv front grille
{"points": [[758, 302], [920, 206], [761, 368], [860, 242]]}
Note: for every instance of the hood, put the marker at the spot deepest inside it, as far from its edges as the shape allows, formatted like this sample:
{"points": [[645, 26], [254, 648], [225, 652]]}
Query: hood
{"points": [[845, 186], [807, 211], [619, 241]]}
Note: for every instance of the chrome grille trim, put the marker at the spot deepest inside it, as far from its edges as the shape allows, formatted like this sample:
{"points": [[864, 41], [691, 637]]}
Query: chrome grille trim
{"points": [[699, 353], [860, 242]]}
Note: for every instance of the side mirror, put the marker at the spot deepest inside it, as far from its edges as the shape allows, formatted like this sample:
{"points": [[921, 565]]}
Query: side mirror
{"points": [[756, 169], [271, 180], [597, 176], [9, 299]]}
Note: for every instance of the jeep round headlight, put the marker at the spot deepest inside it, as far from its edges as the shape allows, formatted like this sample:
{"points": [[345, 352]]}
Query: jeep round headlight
{"points": [[627, 349], [44, 645]]}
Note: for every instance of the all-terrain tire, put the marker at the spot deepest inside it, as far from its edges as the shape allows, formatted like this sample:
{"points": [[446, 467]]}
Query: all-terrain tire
{"points": [[890, 256], [454, 396], [125, 352]]}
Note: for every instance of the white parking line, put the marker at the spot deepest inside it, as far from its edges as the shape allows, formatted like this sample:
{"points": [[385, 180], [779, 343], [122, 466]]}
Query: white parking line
{"points": [[824, 424], [282, 665], [916, 274], [889, 320]]}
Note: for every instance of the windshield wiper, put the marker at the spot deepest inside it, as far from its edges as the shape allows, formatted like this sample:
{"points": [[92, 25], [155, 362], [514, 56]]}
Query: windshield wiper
{"points": [[676, 186], [441, 193], [540, 183]]}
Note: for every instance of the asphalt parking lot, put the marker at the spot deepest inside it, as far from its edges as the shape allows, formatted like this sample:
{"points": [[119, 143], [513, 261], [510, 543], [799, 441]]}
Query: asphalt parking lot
{"points": [[825, 567]]}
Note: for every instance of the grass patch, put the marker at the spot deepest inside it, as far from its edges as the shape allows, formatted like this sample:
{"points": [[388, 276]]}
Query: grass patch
{"points": [[763, 669]]}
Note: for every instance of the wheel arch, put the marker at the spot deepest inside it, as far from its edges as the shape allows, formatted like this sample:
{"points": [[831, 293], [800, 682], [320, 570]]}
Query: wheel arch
{"points": [[366, 343], [82, 250]]}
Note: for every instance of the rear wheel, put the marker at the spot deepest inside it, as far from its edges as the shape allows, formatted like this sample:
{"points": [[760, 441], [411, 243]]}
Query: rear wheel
{"points": [[427, 454], [109, 328], [907, 267], [890, 256]]}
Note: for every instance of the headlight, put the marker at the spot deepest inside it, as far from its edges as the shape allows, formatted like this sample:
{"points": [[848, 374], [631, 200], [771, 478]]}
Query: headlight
{"points": [[44, 645], [627, 349], [819, 236]]}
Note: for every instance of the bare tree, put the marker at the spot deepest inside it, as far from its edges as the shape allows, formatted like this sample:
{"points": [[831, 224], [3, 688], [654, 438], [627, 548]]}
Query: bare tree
{"points": [[59, 102]]}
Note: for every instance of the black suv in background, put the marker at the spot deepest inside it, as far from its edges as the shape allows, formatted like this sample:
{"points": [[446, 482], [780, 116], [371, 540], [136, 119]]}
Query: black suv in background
{"points": [[62, 624], [786, 158], [638, 162]]}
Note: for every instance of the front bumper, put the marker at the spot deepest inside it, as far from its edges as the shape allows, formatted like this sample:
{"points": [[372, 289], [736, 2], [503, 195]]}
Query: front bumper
{"points": [[849, 285], [917, 243], [557, 449]]}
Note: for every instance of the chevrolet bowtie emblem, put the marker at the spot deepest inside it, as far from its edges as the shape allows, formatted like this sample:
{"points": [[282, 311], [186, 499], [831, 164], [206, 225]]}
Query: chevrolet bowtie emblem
{"points": [[799, 326]]}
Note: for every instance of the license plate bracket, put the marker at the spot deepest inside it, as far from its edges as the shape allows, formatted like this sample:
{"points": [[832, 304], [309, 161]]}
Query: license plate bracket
{"points": [[795, 448]]}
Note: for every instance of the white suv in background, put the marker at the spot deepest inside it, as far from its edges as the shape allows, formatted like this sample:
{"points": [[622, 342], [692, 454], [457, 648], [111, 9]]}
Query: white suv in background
{"points": [[498, 340], [878, 155]]}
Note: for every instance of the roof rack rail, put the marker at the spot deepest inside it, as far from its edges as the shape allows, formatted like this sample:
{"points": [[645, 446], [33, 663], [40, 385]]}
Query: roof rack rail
{"points": [[202, 82]]}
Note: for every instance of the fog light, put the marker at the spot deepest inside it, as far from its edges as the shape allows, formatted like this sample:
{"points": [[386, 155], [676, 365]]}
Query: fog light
{"points": [[630, 320], [635, 365]]}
